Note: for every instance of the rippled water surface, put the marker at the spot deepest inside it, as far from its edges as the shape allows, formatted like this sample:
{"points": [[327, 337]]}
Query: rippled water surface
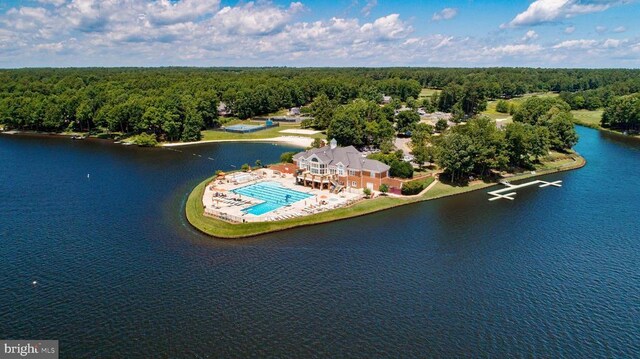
{"points": [[120, 274]]}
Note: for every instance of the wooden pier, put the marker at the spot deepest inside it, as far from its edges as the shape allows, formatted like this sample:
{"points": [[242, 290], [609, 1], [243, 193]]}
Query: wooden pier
{"points": [[500, 193]]}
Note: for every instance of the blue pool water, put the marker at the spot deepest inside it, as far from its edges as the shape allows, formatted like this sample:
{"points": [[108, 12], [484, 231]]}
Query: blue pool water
{"points": [[273, 195]]}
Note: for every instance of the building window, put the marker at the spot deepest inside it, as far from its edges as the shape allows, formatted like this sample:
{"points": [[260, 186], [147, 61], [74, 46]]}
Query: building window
{"points": [[332, 170], [340, 170], [352, 172], [373, 174], [354, 184]]}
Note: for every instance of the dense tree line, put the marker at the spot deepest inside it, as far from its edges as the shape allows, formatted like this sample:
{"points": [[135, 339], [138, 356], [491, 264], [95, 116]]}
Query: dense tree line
{"points": [[623, 114], [478, 147], [176, 103]]}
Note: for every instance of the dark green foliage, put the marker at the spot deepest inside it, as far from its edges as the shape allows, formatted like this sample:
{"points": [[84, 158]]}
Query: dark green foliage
{"points": [[287, 157], [554, 116], [400, 169], [383, 188], [562, 132], [416, 186], [145, 140], [502, 106], [442, 125], [184, 100], [322, 110], [245, 167], [534, 109], [406, 120], [623, 113], [360, 123]]}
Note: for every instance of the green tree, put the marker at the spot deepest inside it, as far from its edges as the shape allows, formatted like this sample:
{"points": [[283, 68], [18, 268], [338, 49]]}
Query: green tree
{"points": [[406, 120], [322, 110], [287, 157], [502, 106], [562, 132], [455, 156], [442, 125]]}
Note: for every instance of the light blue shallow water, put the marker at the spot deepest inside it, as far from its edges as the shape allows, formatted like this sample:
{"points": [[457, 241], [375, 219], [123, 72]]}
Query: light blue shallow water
{"points": [[273, 195], [121, 274]]}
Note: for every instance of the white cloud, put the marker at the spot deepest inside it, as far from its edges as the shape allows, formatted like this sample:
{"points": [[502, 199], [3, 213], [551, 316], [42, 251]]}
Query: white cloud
{"points": [[518, 49], [447, 13], [530, 35], [254, 19], [576, 44], [199, 32], [569, 29], [171, 12], [53, 2], [545, 11], [620, 29], [366, 10], [601, 29], [387, 28]]}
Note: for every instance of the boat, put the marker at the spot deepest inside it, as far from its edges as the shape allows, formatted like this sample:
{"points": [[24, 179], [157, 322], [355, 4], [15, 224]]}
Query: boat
{"points": [[78, 137]]}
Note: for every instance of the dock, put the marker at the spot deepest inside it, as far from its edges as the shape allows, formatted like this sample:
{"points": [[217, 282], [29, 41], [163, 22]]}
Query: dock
{"points": [[500, 193]]}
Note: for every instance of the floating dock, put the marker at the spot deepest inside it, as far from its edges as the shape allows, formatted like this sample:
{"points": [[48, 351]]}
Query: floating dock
{"points": [[500, 193]]}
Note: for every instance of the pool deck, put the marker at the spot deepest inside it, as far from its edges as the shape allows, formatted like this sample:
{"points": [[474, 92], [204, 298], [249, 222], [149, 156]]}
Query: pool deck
{"points": [[221, 202]]}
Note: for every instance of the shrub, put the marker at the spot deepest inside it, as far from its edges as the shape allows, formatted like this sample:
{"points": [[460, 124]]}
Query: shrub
{"points": [[502, 106], [415, 187], [287, 157], [367, 192], [384, 188], [145, 140], [441, 125], [245, 167], [401, 169]]}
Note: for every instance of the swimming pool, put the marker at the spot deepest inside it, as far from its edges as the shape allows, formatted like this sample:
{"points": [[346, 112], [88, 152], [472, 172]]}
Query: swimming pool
{"points": [[273, 195]]}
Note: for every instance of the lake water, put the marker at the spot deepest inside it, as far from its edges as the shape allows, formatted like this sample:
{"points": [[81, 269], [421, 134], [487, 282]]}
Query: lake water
{"points": [[120, 274]]}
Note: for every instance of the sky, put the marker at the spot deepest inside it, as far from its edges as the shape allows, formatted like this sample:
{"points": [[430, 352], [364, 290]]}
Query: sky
{"points": [[466, 33]]}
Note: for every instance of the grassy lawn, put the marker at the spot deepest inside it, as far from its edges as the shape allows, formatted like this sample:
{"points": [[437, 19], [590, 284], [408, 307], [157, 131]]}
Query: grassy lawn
{"points": [[428, 93], [588, 118], [221, 229], [491, 105], [272, 132]]}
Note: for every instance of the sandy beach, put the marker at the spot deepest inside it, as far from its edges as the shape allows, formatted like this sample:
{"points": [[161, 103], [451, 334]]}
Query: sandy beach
{"points": [[297, 141]]}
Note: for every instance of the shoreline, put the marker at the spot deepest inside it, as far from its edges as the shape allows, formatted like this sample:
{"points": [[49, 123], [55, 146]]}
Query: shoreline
{"points": [[295, 141], [605, 130], [219, 229]]}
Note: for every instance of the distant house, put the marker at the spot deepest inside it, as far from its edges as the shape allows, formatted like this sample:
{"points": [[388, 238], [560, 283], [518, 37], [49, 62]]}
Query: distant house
{"points": [[294, 111], [223, 110], [333, 167], [386, 99]]}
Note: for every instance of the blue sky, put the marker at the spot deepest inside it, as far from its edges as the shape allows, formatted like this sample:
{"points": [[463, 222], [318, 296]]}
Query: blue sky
{"points": [[539, 33]]}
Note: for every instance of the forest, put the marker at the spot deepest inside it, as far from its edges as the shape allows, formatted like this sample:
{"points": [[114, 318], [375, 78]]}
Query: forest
{"points": [[175, 104]]}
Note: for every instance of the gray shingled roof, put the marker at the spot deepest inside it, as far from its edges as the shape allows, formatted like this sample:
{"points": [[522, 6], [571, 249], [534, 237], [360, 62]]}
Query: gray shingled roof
{"points": [[348, 156]]}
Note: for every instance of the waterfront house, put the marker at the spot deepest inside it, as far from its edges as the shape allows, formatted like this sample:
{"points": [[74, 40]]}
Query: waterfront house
{"points": [[386, 99], [335, 168]]}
